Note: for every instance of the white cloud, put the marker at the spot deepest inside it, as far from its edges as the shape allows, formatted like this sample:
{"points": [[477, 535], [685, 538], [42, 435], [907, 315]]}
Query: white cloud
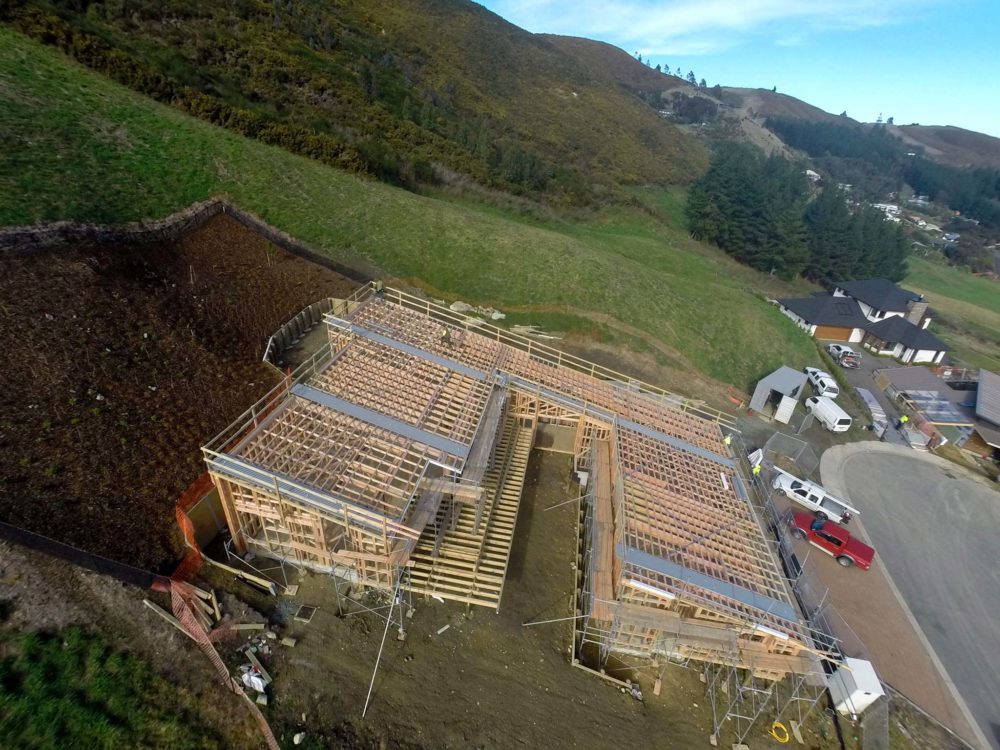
{"points": [[698, 27]]}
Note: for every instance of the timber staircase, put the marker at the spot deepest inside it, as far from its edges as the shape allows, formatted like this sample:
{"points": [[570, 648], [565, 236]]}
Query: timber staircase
{"points": [[470, 566]]}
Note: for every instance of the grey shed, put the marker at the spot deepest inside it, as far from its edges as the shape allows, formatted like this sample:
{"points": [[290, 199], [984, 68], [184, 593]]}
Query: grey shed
{"points": [[782, 389]]}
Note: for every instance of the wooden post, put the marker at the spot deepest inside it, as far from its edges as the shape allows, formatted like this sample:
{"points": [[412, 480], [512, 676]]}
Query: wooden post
{"points": [[229, 509]]}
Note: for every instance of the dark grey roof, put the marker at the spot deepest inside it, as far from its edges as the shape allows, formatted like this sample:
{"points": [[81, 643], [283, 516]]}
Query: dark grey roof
{"points": [[786, 381], [824, 309], [988, 397], [881, 294], [989, 435], [899, 330]]}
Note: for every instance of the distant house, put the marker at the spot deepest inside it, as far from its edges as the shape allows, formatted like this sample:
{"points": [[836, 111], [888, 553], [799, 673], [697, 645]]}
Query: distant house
{"points": [[897, 337], [881, 298], [878, 313], [987, 428], [826, 317], [982, 407], [812, 175]]}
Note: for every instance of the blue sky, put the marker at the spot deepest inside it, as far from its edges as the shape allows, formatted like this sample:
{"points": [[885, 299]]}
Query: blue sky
{"points": [[935, 62]]}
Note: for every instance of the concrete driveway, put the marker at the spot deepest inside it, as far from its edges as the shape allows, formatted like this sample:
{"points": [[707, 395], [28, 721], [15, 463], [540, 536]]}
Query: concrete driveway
{"points": [[863, 377], [936, 529]]}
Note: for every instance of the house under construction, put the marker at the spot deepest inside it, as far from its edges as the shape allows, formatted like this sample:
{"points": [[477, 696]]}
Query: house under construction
{"points": [[397, 455]]}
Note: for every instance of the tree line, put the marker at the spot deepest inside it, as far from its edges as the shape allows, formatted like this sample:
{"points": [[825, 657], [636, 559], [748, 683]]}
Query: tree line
{"points": [[759, 210]]}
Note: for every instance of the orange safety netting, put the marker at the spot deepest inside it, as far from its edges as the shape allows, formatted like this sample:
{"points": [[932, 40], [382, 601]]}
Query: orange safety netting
{"points": [[193, 558], [181, 602]]}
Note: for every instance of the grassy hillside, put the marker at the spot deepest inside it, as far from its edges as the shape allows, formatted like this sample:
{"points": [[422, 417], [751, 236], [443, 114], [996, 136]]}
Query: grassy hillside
{"points": [[601, 60], [966, 307], [764, 103], [410, 91], [81, 147], [951, 145]]}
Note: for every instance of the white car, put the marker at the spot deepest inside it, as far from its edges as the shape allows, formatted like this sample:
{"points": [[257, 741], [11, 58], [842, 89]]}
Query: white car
{"points": [[828, 413], [838, 350], [822, 382], [844, 355]]}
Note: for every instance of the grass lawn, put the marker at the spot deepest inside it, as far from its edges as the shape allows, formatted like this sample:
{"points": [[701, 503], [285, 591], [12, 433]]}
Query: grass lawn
{"points": [[80, 147], [951, 282], [72, 690], [966, 310]]}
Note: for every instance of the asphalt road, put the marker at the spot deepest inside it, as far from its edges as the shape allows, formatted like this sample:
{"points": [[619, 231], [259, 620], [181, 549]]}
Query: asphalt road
{"points": [[938, 535]]}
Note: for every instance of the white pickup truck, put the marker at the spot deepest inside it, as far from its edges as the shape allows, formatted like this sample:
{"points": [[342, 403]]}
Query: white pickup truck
{"points": [[813, 497]]}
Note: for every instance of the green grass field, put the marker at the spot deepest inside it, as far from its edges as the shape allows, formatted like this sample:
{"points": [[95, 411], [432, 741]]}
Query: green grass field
{"points": [[80, 147], [73, 690], [966, 310]]}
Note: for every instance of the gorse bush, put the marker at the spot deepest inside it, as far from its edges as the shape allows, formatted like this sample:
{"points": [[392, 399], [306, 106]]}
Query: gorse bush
{"points": [[389, 90]]}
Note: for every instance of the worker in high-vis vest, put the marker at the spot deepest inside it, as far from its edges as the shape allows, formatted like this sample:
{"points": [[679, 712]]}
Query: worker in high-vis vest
{"points": [[902, 422], [728, 440], [756, 470]]}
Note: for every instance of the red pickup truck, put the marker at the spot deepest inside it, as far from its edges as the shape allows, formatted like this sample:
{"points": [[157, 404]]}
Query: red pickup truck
{"points": [[833, 539]]}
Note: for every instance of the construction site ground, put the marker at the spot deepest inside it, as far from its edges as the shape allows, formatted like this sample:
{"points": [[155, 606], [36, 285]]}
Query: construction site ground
{"points": [[486, 681]]}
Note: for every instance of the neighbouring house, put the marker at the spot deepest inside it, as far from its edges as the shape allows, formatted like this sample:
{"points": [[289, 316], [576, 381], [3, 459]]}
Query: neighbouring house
{"points": [[812, 175], [943, 409], [899, 338], [985, 438], [782, 390], [889, 209], [826, 317], [881, 298], [882, 315]]}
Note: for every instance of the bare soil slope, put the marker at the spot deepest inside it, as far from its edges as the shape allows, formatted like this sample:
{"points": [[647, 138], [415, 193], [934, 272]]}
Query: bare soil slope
{"points": [[120, 363]]}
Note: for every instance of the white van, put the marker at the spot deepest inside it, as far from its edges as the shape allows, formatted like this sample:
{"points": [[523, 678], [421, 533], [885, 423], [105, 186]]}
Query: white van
{"points": [[822, 382], [812, 496], [826, 411]]}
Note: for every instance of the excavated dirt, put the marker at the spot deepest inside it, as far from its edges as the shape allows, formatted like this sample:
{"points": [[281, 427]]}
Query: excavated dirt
{"points": [[120, 362], [486, 681]]}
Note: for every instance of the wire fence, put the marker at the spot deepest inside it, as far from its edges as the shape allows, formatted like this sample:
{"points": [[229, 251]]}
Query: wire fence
{"points": [[180, 598], [38, 237], [119, 570]]}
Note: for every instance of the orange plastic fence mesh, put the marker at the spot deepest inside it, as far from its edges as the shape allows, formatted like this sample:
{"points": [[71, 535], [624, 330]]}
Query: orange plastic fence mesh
{"points": [[192, 561], [180, 602]]}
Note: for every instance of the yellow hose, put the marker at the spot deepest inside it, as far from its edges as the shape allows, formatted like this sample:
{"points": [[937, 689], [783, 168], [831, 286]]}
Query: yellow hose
{"points": [[779, 732]]}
